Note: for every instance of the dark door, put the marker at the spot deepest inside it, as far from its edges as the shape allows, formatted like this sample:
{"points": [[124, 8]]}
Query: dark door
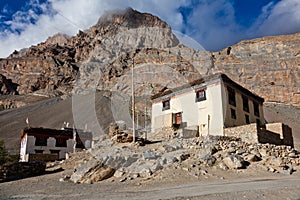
{"points": [[178, 118]]}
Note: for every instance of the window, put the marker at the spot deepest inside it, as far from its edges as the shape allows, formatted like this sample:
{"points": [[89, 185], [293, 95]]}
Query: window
{"points": [[200, 95], [233, 114], [166, 104], [231, 96], [53, 151], [61, 142], [247, 119], [38, 151], [245, 103], [41, 141], [256, 109]]}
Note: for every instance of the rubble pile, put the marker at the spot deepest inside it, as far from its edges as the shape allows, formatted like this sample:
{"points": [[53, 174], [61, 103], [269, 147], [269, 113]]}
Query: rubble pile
{"points": [[127, 161], [118, 133]]}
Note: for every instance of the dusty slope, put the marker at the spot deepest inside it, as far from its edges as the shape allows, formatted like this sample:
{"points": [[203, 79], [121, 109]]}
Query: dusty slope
{"points": [[53, 113]]}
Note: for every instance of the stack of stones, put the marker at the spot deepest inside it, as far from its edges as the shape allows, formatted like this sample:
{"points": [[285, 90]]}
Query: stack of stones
{"points": [[128, 161]]}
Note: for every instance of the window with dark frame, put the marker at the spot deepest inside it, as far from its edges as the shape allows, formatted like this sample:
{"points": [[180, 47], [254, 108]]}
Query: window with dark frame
{"points": [[200, 95], [256, 109], [54, 151], [166, 104], [247, 119], [61, 142], [233, 113], [38, 151], [231, 96], [245, 103], [41, 141]]}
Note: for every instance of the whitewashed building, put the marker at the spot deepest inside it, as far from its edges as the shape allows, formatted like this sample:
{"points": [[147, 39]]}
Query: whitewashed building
{"points": [[208, 105], [43, 144]]}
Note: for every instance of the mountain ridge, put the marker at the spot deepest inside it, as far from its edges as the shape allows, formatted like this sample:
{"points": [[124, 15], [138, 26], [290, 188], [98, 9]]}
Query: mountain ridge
{"points": [[59, 64]]}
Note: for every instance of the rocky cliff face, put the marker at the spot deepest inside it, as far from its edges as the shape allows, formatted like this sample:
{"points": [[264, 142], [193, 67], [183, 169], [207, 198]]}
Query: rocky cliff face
{"points": [[102, 57], [269, 66]]}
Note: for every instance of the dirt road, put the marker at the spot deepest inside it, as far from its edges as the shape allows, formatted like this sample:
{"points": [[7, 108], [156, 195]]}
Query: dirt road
{"points": [[48, 187]]}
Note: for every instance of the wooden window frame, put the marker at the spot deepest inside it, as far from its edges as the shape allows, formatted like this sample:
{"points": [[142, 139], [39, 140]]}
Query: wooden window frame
{"points": [[201, 97], [245, 103], [256, 109], [233, 113], [166, 104], [247, 119], [41, 141], [231, 96], [61, 142]]}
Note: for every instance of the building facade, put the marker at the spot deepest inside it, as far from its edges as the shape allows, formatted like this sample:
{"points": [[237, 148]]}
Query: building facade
{"points": [[209, 104], [44, 144]]}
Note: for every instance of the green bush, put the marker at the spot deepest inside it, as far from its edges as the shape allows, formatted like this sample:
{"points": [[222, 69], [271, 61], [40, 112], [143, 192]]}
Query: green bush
{"points": [[5, 158]]}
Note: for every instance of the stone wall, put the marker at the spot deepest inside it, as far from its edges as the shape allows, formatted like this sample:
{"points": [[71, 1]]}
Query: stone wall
{"points": [[190, 132], [42, 157], [276, 133], [266, 136], [21, 170], [284, 131], [248, 133]]}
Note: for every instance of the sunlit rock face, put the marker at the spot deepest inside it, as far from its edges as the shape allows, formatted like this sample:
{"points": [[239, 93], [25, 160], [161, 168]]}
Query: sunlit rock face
{"points": [[102, 58]]}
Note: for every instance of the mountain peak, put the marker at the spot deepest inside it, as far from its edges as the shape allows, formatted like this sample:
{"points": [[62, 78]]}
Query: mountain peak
{"points": [[131, 19]]}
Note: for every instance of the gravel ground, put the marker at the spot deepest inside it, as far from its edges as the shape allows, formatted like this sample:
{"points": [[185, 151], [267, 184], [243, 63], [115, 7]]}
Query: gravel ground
{"points": [[235, 185]]}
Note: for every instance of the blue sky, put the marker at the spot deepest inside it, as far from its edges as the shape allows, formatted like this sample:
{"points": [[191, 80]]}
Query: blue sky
{"points": [[215, 24]]}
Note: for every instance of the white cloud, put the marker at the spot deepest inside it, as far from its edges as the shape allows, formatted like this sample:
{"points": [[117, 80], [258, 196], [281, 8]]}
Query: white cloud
{"points": [[212, 23], [68, 16], [282, 18]]}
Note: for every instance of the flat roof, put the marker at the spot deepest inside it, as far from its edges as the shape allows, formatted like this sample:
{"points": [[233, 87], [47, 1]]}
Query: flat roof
{"points": [[66, 132], [206, 80]]}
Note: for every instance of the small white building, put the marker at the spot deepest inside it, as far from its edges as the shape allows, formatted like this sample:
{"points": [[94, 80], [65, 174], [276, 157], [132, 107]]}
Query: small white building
{"points": [[208, 105], [43, 144]]}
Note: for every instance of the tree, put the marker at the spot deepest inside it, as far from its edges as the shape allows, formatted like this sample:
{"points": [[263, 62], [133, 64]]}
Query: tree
{"points": [[3, 153]]}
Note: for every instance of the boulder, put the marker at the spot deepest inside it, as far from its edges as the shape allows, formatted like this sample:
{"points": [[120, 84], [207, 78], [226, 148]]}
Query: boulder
{"points": [[223, 166], [208, 160], [252, 158], [149, 155], [91, 172], [234, 162], [168, 160]]}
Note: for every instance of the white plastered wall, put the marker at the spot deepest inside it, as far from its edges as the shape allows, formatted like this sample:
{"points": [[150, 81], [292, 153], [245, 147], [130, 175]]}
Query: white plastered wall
{"points": [[206, 114]]}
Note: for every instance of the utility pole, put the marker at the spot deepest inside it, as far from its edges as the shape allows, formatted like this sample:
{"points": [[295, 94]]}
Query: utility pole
{"points": [[146, 119], [74, 139], [208, 126], [133, 101]]}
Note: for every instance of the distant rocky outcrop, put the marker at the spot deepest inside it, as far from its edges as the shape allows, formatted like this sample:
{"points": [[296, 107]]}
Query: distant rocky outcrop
{"points": [[102, 56], [268, 66]]}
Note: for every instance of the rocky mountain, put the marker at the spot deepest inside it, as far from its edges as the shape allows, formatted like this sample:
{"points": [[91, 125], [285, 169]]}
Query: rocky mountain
{"points": [[269, 66], [102, 57]]}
